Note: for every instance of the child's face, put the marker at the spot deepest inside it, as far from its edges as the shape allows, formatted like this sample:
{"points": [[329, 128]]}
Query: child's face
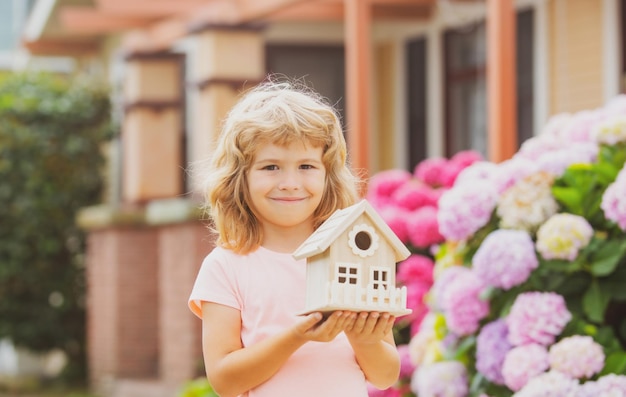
{"points": [[286, 184]]}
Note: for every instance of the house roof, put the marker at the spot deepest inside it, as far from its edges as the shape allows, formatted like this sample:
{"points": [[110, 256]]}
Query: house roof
{"points": [[339, 221]]}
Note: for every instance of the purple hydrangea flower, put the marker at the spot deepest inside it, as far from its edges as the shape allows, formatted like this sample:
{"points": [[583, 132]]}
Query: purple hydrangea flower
{"points": [[537, 317], [523, 363], [462, 304], [505, 258], [492, 346], [462, 211], [577, 356], [443, 378]]}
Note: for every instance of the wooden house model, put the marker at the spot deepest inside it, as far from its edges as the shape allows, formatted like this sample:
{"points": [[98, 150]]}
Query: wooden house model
{"points": [[351, 264]]}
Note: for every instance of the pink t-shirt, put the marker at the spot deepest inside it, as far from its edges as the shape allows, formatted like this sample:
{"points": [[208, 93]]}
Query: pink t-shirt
{"points": [[269, 290]]}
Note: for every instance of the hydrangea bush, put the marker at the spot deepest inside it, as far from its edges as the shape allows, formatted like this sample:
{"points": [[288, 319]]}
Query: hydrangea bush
{"points": [[527, 292]]}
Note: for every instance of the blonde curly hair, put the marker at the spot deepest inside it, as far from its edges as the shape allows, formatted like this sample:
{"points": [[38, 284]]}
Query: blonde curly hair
{"points": [[280, 113]]}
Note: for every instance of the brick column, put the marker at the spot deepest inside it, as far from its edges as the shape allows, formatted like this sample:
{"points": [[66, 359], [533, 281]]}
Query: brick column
{"points": [[122, 305], [152, 132], [182, 247], [227, 61]]}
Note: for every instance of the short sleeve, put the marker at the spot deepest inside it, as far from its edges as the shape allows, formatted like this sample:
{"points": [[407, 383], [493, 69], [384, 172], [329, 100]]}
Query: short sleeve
{"points": [[216, 282]]}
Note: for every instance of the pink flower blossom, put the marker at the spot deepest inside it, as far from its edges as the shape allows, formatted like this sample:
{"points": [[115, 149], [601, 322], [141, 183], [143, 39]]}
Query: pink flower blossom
{"points": [[537, 317], [523, 363], [614, 200], [478, 171], [384, 183], [551, 384], [492, 345], [415, 268], [505, 258], [443, 378], [464, 210], [462, 304], [608, 385], [395, 218], [423, 227], [577, 356], [413, 195], [430, 171], [467, 157]]}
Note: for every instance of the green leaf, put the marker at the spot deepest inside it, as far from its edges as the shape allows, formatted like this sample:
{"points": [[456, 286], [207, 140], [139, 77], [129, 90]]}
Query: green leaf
{"points": [[595, 302], [615, 363], [569, 197], [605, 260]]}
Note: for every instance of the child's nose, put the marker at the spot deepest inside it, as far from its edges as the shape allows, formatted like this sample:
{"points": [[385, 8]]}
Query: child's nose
{"points": [[289, 181]]}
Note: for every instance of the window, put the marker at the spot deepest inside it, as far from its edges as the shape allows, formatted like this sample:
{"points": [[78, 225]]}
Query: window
{"points": [[348, 273], [379, 277], [416, 101]]}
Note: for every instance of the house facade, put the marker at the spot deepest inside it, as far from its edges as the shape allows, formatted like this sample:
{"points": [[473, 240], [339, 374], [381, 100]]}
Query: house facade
{"points": [[412, 79]]}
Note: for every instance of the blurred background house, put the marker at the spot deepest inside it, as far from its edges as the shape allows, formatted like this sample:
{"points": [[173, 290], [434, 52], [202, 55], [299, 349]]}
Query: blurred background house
{"points": [[412, 78]]}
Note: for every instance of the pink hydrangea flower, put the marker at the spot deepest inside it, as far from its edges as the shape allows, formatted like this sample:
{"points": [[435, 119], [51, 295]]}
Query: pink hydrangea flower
{"points": [[443, 378], [415, 301], [395, 218], [442, 283], [537, 317], [562, 236], [478, 171], [611, 131], [505, 258], [577, 356], [523, 363], [513, 170], [462, 304], [556, 162], [464, 210], [413, 195], [551, 384], [423, 227], [384, 183], [607, 385], [467, 157], [415, 268], [614, 200], [492, 346], [430, 170]]}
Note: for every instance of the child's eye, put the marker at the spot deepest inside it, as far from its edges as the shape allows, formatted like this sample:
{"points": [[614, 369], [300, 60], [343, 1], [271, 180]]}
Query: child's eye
{"points": [[307, 166], [270, 167]]}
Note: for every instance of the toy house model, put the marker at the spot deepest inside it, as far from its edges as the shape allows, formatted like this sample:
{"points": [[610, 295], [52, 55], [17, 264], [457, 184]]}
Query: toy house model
{"points": [[351, 264]]}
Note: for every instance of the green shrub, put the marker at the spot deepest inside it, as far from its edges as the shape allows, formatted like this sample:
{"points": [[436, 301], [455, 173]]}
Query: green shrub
{"points": [[51, 134], [197, 388]]}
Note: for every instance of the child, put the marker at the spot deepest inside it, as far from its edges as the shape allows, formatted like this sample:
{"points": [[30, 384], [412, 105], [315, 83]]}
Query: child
{"points": [[278, 171]]}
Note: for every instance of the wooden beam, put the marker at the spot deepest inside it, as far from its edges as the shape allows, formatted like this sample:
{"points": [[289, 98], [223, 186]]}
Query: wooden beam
{"points": [[501, 94], [334, 11], [358, 82], [91, 21], [150, 8], [62, 47]]}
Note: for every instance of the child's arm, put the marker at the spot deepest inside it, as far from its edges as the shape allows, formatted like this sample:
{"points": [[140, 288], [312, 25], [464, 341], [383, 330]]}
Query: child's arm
{"points": [[371, 338], [233, 369]]}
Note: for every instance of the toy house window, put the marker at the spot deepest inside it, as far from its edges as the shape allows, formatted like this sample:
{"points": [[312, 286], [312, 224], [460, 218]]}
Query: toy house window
{"points": [[363, 240], [379, 278], [348, 274]]}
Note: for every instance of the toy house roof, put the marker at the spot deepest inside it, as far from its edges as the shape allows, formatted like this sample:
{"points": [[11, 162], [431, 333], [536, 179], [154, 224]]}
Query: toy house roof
{"points": [[339, 221]]}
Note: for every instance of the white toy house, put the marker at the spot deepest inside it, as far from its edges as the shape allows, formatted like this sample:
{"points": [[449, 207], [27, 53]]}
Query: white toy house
{"points": [[351, 264]]}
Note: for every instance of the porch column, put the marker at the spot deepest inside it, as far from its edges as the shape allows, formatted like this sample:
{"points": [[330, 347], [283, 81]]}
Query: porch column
{"points": [[152, 129], [227, 61], [501, 91], [358, 21]]}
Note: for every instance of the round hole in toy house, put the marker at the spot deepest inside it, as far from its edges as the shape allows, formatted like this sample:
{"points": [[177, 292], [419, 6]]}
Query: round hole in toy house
{"points": [[363, 240]]}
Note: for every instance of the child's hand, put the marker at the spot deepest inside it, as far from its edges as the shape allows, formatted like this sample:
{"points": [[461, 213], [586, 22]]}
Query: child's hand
{"points": [[313, 329], [369, 327]]}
